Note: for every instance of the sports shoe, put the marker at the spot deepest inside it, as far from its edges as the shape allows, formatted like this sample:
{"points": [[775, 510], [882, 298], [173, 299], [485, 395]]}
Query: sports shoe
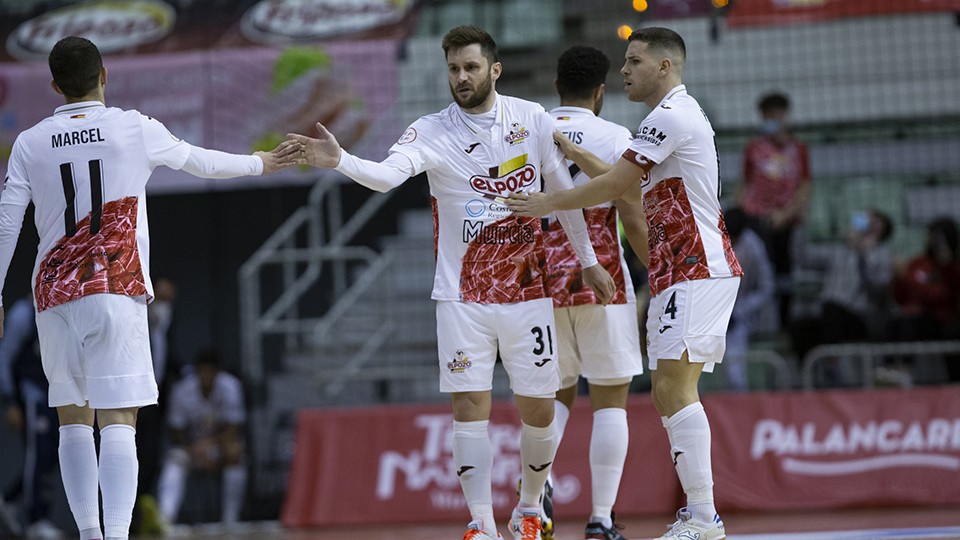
{"points": [[525, 524], [597, 530], [546, 509], [687, 528], [475, 532]]}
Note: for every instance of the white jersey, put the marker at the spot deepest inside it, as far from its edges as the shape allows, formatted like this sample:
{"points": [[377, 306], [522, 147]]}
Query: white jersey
{"points": [[681, 194], [607, 141], [86, 168], [203, 416], [484, 253]]}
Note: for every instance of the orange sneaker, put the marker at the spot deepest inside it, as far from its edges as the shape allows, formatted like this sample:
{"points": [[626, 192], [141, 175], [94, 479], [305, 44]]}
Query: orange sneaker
{"points": [[475, 532], [525, 524]]}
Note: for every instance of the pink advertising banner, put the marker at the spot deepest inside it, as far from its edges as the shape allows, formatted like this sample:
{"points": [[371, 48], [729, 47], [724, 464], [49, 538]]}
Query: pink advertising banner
{"points": [[771, 451]]}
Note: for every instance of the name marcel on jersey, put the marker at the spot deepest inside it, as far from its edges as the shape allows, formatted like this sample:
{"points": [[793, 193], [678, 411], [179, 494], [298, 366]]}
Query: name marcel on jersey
{"points": [[71, 138]]}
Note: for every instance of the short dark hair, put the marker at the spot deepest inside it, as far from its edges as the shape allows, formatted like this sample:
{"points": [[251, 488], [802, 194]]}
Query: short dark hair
{"points": [[886, 224], [75, 64], [580, 69], [660, 38], [462, 36], [774, 101]]}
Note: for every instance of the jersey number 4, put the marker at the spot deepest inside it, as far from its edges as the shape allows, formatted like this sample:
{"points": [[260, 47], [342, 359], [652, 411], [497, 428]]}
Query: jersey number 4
{"points": [[70, 193]]}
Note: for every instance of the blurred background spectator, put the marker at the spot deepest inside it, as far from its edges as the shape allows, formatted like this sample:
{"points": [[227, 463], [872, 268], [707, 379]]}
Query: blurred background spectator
{"points": [[775, 190], [206, 415], [23, 394], [855, 301], [755, 296]]}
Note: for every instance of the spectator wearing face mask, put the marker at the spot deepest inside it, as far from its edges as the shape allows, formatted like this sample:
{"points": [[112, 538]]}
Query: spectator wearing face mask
{"points": [[776, 187]]}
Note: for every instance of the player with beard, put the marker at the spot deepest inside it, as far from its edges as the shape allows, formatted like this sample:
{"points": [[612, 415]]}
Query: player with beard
{"points": [[694, 275], [489, 284]]}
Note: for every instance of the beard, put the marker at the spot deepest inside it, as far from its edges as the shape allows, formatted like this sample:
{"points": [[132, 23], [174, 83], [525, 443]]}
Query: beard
{"points": [[479, 95]]}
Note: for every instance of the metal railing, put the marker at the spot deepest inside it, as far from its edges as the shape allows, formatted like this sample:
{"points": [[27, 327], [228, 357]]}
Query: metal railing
{"points": [[326, 233], [869, 355]]}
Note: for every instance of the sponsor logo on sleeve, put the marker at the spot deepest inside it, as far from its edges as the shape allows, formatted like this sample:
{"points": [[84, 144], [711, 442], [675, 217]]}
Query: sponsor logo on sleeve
{"points": [[518, 134], [408, 136], [651, 135]]}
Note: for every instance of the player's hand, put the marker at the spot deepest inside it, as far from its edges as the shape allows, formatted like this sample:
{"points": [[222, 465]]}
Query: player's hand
{"points": [[283, 156], [529, 204], [322, 152], [566, 145], [600, 282]]}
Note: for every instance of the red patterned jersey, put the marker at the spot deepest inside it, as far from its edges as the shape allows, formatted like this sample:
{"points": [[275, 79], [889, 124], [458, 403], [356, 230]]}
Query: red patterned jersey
{"points": [[85, 169], [485, 254], [681, 194], [564, 274], [772, 174]]}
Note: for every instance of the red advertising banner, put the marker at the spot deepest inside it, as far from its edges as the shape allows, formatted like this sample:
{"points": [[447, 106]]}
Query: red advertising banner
{"points": [[395, 464], [833, 449], [780, 12], [771, 451]]}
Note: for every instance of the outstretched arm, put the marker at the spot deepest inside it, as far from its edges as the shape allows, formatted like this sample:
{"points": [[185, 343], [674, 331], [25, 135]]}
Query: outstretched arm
{"points": [[206, 163], [605, 187], [325, 152], [635, 228]]}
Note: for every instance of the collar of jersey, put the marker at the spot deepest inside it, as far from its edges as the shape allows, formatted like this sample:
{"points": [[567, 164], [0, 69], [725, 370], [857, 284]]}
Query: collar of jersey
{"points": [[673, 91], [70, 108], [571, 110], [473, 128]]}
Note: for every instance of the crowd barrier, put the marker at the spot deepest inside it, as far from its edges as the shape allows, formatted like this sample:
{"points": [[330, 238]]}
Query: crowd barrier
{"points": [[771, 451]]}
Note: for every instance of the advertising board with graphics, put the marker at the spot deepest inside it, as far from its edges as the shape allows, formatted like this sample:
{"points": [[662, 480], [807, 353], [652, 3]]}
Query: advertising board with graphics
{"points": [[214, 84], [771, 451]]}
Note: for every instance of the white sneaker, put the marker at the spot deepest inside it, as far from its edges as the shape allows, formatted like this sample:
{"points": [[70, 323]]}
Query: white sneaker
{"points": [[525, 524], [687, 528], [475, 532]]}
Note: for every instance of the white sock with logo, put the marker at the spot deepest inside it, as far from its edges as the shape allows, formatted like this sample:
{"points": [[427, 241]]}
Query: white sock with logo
{"points": [[118, 478], [538, 447], [78, 468], [689, 433], [608, 451], [473, 459]]}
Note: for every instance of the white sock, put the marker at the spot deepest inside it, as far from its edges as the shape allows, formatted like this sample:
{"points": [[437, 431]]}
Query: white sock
{"points": [[473, 458], [234, 486], [608, 451], [689, 433], [118, 478], [78, 468], [538, 447], [561, 414], [172, 482]]}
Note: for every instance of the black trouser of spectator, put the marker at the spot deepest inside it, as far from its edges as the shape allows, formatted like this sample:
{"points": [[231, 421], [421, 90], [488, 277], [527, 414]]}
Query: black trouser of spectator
{"points": [[778, 243], [836, 324], [924, 327], [41, 439]]}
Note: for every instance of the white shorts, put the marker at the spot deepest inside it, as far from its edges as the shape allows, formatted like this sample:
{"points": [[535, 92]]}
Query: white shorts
{"points": [[96, 349], [470, 334], [602, 343], [691, 316]]}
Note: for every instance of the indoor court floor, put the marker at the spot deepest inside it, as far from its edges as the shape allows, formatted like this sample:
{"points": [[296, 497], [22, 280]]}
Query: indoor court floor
{"points": [[861, 524]]}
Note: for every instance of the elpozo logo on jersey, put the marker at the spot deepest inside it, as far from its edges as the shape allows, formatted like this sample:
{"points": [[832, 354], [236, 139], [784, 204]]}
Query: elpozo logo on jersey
{"points": [[517, 134], [111, 25], [841, 449], [291, 21], [511, 176]]}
